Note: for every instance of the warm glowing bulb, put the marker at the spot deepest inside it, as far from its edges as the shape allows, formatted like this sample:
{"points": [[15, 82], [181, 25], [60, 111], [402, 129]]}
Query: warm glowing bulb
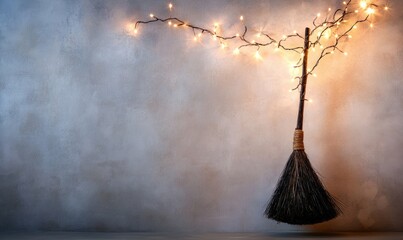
{"points": [[236, 51], [363, 4], [344, 2], [151, 15], [175, 25], [310, 100], [215, 25], [332, 52], [257, 55], [355, 27], [315, 75], [329, 9], [371, 25], [345, 53], [199, 35], [259, 35], [241, 18], [349, 36], [237, 34], [135, 31], [356, 11], [370, 11], [276, 49], [318, 15], [336, 35], [169, 23], [386, 8], [170, 5], [195, 39], [313, 50]]}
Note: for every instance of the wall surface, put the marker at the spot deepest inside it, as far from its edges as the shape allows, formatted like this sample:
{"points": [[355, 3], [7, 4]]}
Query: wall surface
{"points": [[101, 130]]}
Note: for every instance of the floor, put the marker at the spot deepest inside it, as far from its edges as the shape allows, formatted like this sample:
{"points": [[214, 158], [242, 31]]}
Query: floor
{"points": [[189, 236]]}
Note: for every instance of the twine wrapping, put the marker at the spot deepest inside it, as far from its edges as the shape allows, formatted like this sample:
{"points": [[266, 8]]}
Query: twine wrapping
{"points": [[298, 143]]}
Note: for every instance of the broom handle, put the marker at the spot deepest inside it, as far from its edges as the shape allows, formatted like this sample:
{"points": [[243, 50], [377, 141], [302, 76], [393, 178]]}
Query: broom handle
{"points": [[303, 81]]}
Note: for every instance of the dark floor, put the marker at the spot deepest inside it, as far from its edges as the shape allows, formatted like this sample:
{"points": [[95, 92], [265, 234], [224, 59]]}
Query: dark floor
{"points": [[206, 236]]}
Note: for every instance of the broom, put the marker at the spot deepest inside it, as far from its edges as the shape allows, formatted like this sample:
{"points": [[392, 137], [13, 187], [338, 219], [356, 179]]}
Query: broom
{"points": [[300, 197]]}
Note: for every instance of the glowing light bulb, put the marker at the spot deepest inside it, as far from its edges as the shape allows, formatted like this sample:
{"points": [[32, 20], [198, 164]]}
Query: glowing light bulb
{"points": [[356, 11], [135, 31], [318, 15], [345, 53], [349, 36], [169, 23], [371, 25], [344, 2], [170, 5], [195, 38], [257, 55], [332, 52], [310, 100], [199, 35], [363, 4], [370, 11], [236, 51], [237, 34], [241, 18], [151, 15], [336, 35], [295, 31], [315, 75], [355, 27], [175, 25], [386, 8]]}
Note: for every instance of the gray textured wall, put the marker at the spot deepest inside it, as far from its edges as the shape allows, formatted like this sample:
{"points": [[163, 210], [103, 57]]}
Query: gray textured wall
{"points": [[103, 131]]}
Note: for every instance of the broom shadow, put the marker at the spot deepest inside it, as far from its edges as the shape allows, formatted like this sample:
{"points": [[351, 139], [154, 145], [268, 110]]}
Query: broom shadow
{"points": [[341, 176]]}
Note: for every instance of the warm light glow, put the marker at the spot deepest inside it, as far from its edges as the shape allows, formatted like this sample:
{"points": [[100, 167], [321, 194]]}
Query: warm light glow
{"points": [[370, 11], [241, 18], [170, 5], [151, 15], [284, 37], [371, 25], [313, 49], [329, 9], [295, 31], [258, 56], [175, 25], [355, 27], [222, 46], [310, 100], [315, 75], [199, 35], [237, 34], [386, 8], [236, 51], [363, 4], [169, 23], [195, 38], [345, 53], [356, 11], [332, 52], [318, 15], [344, 2], [349, 36]]}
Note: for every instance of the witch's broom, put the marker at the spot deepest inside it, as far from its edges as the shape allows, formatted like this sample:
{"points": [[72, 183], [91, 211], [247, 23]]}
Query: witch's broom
{"points": [[300, 197]]}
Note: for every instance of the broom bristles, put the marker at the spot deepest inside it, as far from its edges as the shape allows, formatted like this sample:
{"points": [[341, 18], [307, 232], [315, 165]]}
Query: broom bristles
{"points": [[300, 197]]}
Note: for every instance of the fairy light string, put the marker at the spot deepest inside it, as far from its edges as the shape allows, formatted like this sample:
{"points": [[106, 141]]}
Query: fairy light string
{"points": [[327, 33]]}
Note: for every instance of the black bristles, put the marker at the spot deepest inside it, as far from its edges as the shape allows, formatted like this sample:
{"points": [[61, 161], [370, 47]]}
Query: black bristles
{"points": [[300, 197]]}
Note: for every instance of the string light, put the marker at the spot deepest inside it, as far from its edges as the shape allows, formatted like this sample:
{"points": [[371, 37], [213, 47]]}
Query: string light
{"points": [[370, 10], [363, 4], [329, 25], [258, 56]]}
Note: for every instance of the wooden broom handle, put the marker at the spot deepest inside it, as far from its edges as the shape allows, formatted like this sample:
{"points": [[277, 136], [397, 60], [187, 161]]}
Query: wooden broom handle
{"points": [[304, 78]]}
